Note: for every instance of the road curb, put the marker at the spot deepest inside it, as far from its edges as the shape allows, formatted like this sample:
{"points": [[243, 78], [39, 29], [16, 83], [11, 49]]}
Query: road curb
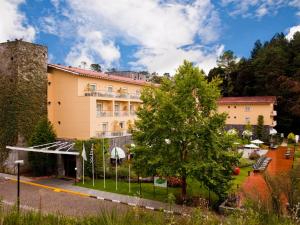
{"points": [[55, 189]]}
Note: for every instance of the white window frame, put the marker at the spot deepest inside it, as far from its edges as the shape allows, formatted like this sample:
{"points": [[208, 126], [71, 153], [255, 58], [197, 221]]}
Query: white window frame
{"points": [[98, 112], [93, 85], [247, 108], [110, 89], [104, 127]]}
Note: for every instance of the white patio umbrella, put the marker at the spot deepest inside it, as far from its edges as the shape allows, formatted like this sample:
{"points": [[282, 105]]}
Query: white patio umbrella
{"points": [[257, 141], [251, 146], [273, 131], [117, 152]]}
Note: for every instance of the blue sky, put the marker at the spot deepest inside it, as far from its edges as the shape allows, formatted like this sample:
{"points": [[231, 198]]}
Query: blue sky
{"points": [[153, 35]]}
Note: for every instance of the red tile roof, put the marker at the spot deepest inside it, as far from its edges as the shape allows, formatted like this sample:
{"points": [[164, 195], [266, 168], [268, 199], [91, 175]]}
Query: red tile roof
{"points": [[248, 100], [94, 74]]}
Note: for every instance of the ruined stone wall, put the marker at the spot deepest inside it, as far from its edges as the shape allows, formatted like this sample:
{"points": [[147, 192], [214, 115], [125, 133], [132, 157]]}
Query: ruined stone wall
{"points": [[23, 92]]}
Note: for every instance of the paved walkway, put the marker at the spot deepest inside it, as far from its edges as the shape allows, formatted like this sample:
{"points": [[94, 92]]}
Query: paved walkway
{"points": [[102, 195], [255, 186]]}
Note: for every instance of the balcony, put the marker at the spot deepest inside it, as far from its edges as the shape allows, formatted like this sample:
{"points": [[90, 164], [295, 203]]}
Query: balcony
{"points": [[274, 123], [121, 113], [107, 94], [104, 113], [101, 134], [274, 113]]}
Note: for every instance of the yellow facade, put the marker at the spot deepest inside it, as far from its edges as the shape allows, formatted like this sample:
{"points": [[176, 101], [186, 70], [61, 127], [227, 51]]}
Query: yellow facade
{"points": [[243, 113], [82, 107]]}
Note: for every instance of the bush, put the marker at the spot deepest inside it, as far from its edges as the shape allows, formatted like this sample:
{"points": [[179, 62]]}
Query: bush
{"points": [[254, 156], [245, 162], [291, 138], [174, 182]]}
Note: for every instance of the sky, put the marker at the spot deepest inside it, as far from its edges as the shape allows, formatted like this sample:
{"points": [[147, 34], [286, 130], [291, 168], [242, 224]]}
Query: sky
{"points": [[151, 35]]}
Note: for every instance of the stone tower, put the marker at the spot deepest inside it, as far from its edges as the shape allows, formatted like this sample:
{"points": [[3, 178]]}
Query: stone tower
{"points": [[23, 92]]}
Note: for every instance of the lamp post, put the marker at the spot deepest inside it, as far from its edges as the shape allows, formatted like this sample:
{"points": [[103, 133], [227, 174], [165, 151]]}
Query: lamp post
{"points": [[75, 174], [129, 162], [18, 163], [168, 142]]}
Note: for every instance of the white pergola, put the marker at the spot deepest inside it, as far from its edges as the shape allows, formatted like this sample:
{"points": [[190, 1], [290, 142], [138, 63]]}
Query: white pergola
{"points": [[58, 147]]}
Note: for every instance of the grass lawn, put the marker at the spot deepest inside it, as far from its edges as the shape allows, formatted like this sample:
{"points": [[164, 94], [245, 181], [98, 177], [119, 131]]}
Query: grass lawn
{"points": [[239, 179], [147, 191]]}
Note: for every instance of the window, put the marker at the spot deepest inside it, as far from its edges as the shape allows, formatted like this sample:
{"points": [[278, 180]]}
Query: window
{"points": [[104, 127], [234, 117], [99, 108], [121, 124], [228, 107], [247, 108], [110, 89], [93, 87], [131, 108], [117, 109], [228, 117], [235, 106], [247, 119]]}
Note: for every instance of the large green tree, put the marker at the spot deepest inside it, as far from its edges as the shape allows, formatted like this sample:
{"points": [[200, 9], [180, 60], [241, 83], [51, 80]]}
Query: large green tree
{"points": [[179, 132]]}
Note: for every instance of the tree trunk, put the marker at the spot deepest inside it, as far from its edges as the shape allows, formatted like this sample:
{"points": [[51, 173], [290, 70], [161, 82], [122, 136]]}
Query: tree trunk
{"points": [[183, 188]]}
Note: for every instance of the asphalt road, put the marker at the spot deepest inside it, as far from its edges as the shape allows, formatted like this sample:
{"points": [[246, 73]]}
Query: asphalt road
{"points": [[50, 201]]}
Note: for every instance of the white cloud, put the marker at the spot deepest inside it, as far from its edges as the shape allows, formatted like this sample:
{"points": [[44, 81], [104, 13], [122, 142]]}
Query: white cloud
{"points": [[167, 60], [89, 47], [258, 8], [292, 31], [161, 30], [13, 22]]}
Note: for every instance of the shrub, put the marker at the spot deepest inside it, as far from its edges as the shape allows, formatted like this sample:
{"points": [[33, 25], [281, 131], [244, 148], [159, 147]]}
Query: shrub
{"points": [[254, 156], [245, 162], [174, 182], [291, 138]]}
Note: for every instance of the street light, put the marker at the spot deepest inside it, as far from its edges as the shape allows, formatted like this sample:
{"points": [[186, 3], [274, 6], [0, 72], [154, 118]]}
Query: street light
{"points": [[168, 142], [18, 163], [75, 174], [129, 161]]}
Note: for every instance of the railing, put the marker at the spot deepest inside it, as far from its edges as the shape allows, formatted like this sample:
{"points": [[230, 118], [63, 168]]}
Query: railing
{"points": [[121, 113], [112, 94], [104, 113], [116, 113], [100, 134]]}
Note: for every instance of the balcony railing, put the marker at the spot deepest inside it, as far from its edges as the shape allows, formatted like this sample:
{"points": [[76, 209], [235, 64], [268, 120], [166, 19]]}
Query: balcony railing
{"points": [[112, 94], [104, 113], [116, 113], [100, 134]]}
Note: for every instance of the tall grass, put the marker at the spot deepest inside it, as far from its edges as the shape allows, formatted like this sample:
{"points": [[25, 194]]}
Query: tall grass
{"points": [[251, 216]]}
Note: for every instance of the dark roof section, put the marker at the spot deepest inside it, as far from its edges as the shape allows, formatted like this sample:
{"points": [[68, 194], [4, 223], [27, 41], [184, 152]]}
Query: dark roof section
{"points": [[248, 100], [99, 75]]}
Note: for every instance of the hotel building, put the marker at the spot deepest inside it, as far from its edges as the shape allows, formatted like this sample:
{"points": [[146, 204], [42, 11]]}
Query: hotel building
{"points": [[245, 110], [84, 103]]}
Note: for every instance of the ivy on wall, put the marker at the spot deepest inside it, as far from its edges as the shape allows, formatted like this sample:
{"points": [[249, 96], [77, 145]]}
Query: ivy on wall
{"points": [[23, 93]]}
